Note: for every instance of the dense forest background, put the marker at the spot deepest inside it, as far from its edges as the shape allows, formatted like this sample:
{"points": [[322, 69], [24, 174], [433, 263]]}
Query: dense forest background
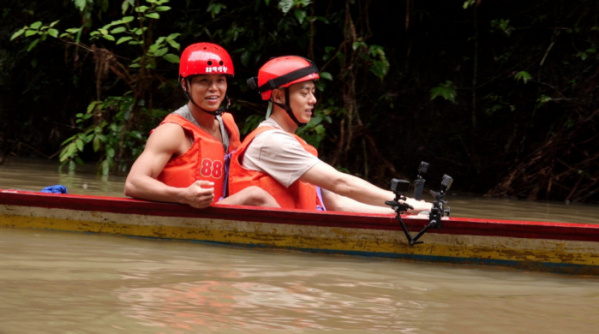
{"points": [[501, 95]]}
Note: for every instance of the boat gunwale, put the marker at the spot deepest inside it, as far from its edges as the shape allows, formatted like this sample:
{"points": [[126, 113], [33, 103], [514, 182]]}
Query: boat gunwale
{"points": [[451, 225]]}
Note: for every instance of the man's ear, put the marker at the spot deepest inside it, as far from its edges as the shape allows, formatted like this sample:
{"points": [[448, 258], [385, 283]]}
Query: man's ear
{"points": [[183, 83], [277, 95]]}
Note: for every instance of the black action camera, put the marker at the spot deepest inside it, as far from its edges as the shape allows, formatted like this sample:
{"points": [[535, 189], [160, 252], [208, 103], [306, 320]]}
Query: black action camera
{"points": [[399, 187]]}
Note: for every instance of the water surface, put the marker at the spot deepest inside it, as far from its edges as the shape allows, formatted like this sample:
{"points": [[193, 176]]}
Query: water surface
{"points": [[58, 282]]}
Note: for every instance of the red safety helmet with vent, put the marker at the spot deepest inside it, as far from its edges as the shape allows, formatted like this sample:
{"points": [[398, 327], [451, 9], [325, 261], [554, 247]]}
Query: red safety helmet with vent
{"points": [[205, 58], [282, 72]]}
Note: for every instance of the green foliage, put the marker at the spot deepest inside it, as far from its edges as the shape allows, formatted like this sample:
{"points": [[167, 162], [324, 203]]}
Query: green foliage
{"points": [[502, 25], [109, 135], [117, 135], [446, 90], [468, 3], [522, 75]]}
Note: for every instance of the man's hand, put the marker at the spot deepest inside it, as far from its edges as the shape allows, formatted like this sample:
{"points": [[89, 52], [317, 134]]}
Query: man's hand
{"points": [[419, 205], [199, 195]]}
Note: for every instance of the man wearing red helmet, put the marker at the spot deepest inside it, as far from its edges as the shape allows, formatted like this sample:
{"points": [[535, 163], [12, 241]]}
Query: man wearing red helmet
{"points": [[282, 163], [186, 157]]}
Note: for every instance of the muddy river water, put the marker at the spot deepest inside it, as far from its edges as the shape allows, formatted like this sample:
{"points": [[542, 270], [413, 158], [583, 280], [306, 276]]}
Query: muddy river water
{"points": [[57, 282]]}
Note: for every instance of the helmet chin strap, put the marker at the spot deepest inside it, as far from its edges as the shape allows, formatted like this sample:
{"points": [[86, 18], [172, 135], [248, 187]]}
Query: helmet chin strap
{"points": [[287, 108], [215, 113]]}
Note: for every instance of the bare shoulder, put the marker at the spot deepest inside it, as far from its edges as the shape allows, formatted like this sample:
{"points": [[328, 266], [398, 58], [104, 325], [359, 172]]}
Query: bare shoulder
{"points": [[168, 137]]}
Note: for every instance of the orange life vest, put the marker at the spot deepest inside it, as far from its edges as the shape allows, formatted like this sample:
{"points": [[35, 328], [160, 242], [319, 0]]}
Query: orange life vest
{"points": [[299, 195], [206, 158]]}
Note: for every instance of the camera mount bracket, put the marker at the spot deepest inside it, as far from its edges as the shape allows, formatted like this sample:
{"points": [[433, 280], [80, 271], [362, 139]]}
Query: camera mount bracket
{"points": [[400, 187]]}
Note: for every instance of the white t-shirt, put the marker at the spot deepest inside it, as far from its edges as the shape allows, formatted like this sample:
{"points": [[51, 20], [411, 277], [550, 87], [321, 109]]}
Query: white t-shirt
{"points": [[278, 154]]}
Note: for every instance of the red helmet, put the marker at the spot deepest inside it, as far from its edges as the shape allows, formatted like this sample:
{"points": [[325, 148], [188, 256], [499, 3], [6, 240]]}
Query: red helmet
{"points": [[205, 58], [283, 72]]}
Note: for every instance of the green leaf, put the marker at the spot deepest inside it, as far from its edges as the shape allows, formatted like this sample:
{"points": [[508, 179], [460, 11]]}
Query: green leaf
{"points": [[142, 9], [54, 23], [380, 69], [300, 15], [173, 44], [126, 5], [105, 167], [73, 30], [285, 5], [68, 152], [109, 37], [171, 58], [161, 52], [36, 25], [356, 45], [173, 36], [110, 151], [103, 31], [118, 30], [30, 33], [134, 66], [522, 75], [135, 134], [153, 15], [163, 8], [17, 33], [326, 75], [80, 144], [92, 106], [127, 19], [468, 3], [446, 90], [245, 58], [124, 39], [80, 4], [154, 47], [159, 42], [32, 45], [53, 33], [96, 143], [215, 8]]}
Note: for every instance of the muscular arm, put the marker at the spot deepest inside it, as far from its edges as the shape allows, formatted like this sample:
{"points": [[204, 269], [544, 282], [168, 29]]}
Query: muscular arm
{"points": [[335, 202], [327, 177], [167, 140]]}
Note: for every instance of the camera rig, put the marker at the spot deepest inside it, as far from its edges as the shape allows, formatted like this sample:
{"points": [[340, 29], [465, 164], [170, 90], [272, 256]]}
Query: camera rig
{"points": [[439, 209]]}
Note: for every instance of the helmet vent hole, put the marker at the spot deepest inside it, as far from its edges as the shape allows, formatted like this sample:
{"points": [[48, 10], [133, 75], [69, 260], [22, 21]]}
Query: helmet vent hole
{"points": [[210, 63], [221, 63]]}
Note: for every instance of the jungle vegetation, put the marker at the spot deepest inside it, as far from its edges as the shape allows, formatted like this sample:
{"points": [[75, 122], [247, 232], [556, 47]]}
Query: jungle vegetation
{"points": [[501, 95]]}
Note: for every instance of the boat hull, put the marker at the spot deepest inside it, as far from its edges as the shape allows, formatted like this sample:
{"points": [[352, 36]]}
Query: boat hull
{"points": [[557, 247]]}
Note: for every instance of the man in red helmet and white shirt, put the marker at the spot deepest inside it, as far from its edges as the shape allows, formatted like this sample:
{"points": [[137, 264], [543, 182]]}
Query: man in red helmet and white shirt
{"points": [[283, 164], [186, 157]]}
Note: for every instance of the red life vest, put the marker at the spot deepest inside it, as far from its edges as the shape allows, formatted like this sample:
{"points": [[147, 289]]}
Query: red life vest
{"points": [[205, 159], [299, 195]]}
